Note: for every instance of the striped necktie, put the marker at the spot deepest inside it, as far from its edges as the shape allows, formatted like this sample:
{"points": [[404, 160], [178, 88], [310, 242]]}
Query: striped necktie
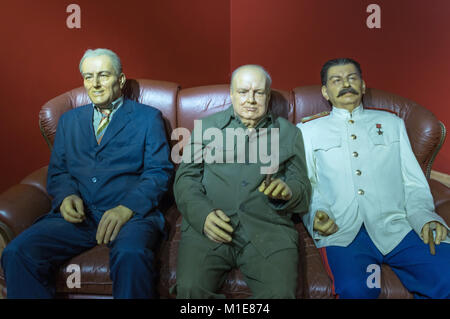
{"points": [[103, 124]]}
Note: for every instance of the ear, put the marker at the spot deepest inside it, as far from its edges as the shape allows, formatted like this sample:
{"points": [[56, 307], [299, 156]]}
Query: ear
{"points": [[122, 80], [325, 93], [363, 87]]}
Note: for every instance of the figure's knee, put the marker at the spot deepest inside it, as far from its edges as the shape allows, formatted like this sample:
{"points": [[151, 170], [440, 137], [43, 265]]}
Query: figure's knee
{"points": [[131, 257], [8, 253], [436, 284], [13, 253], [443, 289], [131, 253], [442, 274]]}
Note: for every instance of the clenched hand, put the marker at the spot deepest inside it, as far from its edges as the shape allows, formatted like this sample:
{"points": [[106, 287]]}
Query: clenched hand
{"points": [[441, 232], [323, 224], [72, 209]]}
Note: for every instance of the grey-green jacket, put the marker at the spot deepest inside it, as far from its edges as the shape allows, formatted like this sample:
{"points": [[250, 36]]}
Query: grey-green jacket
{"points": [[232, 186]]}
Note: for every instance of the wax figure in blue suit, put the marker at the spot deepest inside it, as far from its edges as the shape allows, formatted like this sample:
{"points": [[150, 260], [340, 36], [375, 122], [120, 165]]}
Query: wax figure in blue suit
{"points": [[106, 176]]}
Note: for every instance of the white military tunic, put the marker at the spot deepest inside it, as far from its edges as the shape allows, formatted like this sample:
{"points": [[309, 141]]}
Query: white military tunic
{"points": [[362, 170]]}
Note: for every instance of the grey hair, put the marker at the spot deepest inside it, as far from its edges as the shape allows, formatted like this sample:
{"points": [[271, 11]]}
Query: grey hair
{"points": [[115, 60], [268, 78]]}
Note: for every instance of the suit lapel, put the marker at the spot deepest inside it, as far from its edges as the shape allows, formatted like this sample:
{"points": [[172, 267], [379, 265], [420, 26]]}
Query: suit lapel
{"points": [[118, 122], [85, 121]]}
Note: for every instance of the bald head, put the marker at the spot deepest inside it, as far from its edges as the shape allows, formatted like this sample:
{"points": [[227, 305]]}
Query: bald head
{"points": [[251, 68]]}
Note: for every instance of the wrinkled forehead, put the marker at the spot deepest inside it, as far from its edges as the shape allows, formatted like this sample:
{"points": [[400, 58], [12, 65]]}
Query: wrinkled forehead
{"points": [[250, 78], [342, 70], [97, 64]]}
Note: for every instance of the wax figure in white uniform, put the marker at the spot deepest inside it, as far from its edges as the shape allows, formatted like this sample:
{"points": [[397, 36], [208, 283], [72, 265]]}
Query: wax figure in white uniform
{"points": [[371, 203]]}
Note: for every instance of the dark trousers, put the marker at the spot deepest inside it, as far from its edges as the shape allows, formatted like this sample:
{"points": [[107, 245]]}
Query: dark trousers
{"points": [[423, 274], [30, 261]]}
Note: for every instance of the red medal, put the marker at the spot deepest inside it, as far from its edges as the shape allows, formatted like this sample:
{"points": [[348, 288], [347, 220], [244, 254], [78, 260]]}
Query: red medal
{"points": [[380, 132]]}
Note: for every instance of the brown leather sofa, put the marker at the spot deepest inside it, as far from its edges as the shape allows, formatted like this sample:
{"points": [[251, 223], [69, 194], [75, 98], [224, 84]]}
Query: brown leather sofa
{"points": [[21, 204]]}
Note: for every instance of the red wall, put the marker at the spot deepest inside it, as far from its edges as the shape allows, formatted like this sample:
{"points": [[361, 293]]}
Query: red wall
{"points": [[199, 42], [408, 56]]}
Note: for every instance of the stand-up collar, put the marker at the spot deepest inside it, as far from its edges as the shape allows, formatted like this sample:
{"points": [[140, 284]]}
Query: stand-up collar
{"points": [[345, 114]]}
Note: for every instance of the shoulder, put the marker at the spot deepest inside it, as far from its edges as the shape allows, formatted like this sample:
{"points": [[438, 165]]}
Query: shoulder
{"points": [[73, 113], [379, 113], [380, 109], [287, 129], [143, 108], [78, 110], [313, 120], [284, 123], [315, 117], [215, 116], [217, 120]]}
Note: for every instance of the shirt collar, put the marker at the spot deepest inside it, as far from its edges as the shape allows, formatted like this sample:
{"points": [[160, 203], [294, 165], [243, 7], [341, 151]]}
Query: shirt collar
{"points": [[230, 115], [343, 113], [114, 105]]}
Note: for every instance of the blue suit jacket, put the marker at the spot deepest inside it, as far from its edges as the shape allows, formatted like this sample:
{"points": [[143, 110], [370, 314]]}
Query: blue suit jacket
{"points": [[130, 167]]}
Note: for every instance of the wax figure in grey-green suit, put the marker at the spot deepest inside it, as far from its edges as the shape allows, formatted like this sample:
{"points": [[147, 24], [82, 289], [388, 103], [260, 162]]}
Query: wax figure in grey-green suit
{"points": [[231, 218]]}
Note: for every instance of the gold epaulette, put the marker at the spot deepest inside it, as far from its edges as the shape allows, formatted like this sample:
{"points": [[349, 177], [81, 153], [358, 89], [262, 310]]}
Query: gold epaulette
{"points": [[315, 116]]}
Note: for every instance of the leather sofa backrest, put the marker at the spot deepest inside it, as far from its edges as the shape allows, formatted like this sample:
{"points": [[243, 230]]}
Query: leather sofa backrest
{"points": [[181, 107], [425, 132], [198, 102], [160, 94]]}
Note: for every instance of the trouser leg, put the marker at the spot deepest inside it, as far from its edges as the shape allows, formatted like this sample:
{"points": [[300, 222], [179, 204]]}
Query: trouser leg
{"points": [[423, 274], [202, 267], [274, 276], [132, 265], [31, 259], [348, 267]]}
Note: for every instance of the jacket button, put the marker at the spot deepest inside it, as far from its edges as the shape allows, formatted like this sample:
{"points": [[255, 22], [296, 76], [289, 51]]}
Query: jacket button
{"points": [[351, 121], [358, 172], [353, 136], [244, 183], [360, 192], [355, 154], [94, 180]]}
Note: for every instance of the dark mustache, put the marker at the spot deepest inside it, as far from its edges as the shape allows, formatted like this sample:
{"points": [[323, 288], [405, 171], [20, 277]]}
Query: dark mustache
{"points": [[347, 90]]}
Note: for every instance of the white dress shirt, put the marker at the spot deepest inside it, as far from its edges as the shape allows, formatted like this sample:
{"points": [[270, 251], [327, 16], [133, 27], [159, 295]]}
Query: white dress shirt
{"points": [[362, 170]]}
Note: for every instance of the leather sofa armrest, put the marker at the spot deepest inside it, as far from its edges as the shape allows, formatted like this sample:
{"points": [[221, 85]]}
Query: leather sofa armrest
{"points": [[316, 282], [441, 196], [168, 252], [37, 179], [22, 204]]}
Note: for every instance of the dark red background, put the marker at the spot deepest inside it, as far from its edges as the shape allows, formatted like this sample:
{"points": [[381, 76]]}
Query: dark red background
{"points": [[199, 42]]}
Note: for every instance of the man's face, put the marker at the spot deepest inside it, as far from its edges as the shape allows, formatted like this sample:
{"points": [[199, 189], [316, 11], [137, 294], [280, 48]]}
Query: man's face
{"points": [[101, 82], [344, 87], [249, 95]]}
